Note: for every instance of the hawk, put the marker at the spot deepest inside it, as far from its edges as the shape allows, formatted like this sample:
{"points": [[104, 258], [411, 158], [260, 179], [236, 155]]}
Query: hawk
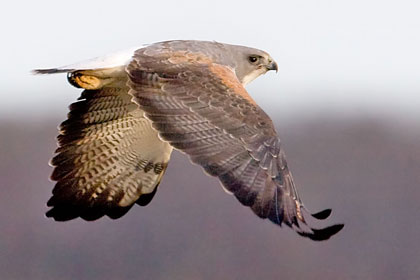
{"points": [[137, 106]]}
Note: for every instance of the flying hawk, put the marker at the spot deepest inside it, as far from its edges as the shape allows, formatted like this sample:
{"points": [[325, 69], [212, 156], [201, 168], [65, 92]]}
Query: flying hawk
{"points": [[189, 95]]}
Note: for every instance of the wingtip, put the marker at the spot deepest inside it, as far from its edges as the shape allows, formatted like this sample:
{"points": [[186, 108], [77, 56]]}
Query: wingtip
{"points": [[322, 234], [322, 215]]}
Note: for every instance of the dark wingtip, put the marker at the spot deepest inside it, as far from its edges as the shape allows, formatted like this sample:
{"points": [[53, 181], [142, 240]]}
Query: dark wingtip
{"points": [[60, 215], [322, 215], [145, 199], [322, 234]]}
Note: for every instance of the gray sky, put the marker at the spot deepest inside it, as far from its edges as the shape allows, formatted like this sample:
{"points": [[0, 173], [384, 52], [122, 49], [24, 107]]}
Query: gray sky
{"points": [[334, 56]]}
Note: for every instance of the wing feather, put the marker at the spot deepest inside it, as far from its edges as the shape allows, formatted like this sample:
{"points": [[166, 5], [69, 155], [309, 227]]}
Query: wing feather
{"points": [[204, 111], [108, 158]]}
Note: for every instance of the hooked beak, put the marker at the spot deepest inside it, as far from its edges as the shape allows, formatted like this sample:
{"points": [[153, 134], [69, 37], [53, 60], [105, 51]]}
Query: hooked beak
{"points": [[273, 66]]}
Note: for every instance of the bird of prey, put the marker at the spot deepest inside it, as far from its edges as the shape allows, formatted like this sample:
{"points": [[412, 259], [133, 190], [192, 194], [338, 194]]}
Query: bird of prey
{"points": [[137, 106]]}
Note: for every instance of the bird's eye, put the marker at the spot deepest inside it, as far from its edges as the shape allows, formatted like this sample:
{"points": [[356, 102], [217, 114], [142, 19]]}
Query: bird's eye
{"points": [[252, 59]]}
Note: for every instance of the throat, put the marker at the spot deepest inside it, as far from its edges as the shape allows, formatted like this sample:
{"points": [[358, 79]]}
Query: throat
{"points": [[252, 76]]}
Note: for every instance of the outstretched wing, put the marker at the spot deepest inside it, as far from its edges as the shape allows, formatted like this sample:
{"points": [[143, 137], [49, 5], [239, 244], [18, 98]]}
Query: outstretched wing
{"points": [[109, 156], [202, 109]]}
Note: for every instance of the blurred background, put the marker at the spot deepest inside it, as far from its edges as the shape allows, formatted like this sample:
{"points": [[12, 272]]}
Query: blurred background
{"points": [[345, 102]]}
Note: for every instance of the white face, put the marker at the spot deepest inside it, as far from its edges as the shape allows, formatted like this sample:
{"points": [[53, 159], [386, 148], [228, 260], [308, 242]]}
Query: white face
{"points": [[253, 75], [253, 65], [250, 63]]}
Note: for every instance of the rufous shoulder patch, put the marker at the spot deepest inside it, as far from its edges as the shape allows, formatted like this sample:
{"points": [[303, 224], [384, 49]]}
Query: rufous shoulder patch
{"points": [[229, 79]]}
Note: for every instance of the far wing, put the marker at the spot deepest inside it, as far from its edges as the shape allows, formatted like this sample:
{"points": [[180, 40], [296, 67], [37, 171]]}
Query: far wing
{"points": [[201, 109], [109, 156]]}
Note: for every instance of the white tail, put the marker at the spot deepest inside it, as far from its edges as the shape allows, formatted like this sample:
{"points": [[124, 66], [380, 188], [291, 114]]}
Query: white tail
{"points": [[111, 60]]}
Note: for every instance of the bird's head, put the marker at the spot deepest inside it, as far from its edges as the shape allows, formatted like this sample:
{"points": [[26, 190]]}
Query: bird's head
{"points": [[251, 63]]}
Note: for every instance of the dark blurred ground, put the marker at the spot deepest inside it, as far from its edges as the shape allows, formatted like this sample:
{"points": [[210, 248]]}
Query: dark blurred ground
{"points": [[366, 169]]}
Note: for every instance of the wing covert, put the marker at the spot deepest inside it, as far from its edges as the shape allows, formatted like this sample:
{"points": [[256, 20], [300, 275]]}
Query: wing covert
{"points": [[202, 109]]}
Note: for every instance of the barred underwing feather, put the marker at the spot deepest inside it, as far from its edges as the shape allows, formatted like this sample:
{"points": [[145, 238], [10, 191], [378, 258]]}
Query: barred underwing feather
{"points": [[108, 157]]}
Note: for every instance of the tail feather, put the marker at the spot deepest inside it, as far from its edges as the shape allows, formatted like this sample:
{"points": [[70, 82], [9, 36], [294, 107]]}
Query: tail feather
{"points": [[51, 71]]}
